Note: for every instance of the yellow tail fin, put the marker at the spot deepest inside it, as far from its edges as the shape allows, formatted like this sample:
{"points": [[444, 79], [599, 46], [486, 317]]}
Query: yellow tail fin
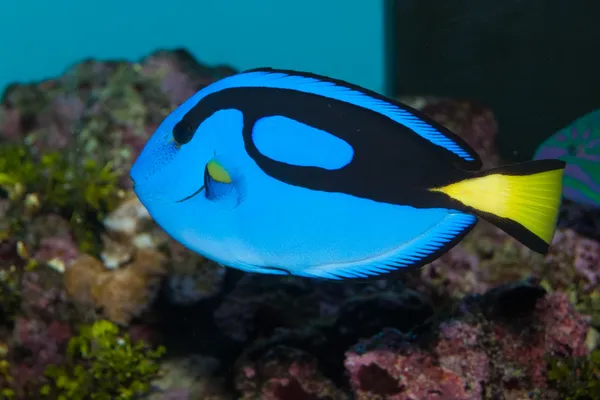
{"points": [[522, 199]]}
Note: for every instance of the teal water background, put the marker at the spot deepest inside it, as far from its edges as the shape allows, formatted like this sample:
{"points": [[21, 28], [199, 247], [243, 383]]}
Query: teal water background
{"points": [[41, 38], [533, 63]]}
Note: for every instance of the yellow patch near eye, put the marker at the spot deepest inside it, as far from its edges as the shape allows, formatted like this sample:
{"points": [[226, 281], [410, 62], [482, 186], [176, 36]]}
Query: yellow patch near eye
{"points": [[217, 172], [177, 145]]}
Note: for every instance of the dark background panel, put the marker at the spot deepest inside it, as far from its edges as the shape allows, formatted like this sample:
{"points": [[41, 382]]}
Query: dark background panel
{"points": [[535, 63]]}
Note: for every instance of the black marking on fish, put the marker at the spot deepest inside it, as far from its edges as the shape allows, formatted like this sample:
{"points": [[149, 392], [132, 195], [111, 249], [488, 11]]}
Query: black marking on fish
{"points": [[391, 163], [197, 192]]}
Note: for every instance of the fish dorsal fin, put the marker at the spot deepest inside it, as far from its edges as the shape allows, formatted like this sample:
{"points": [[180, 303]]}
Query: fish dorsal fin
{"points": [[415, 253], [455, 148]]}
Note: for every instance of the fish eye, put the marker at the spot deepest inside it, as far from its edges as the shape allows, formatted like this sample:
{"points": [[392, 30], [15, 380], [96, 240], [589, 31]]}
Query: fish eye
{"points": [[182, 133], [571, 149]]}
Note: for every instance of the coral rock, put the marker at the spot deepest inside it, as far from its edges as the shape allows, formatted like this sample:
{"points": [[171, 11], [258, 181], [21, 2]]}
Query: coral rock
{"points": [[459, 350], [557, 330], [364, 316], [44, 296], [472, 122], [50, 237], [106, 109], [587, 260], [121, 293], [389, 367], [129, 227], [488, 257], [80, 277], [115, 253], [37, 345], [181, 75], [126, 292], [284, 373], [9, 254], [190, 378], [496, 343], [582, 218], [128, 217], [259, 304], [57, 251], [192, 277]]}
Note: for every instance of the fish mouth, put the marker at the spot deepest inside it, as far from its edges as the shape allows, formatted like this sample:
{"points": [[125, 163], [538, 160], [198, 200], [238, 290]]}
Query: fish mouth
{"points": [[197, 192]]}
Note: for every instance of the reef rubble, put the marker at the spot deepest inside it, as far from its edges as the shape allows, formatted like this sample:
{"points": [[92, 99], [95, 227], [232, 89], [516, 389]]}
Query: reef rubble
{"points": [[89, 282]]}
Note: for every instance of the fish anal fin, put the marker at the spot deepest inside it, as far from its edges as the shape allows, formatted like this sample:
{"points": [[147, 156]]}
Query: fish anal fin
{"points": [[421, 250]]}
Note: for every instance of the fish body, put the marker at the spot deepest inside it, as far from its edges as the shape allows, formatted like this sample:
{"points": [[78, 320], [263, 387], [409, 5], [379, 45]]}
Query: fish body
{"points": [[578, 145], [284, 172]]}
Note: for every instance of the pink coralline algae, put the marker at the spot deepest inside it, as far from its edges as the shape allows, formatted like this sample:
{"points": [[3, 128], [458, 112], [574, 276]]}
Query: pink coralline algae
{"points": [[556, 330], [455, 274], [285, 373], [494, 344], [393, 368], [181, 75], [51, 239], [10, 122], [52, 248], [488, 257], [460, 351], [474, 123], [38, 345], [44, 296], [587, 260]]}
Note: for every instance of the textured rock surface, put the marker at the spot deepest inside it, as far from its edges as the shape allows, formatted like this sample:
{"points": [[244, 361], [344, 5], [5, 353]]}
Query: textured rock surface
{"points": [[494, 346]]}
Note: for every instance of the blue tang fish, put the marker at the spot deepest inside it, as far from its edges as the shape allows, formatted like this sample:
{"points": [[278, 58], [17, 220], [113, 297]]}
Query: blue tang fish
{"points": [[284, 172], [579, 146]]}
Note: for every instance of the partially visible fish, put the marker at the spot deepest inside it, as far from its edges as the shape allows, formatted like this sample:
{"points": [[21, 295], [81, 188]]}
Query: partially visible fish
{"points": [[579, 146]]}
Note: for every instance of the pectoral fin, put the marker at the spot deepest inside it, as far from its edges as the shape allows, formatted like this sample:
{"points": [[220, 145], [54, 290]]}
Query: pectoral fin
{"points": [[223, 182], [217, 172]]}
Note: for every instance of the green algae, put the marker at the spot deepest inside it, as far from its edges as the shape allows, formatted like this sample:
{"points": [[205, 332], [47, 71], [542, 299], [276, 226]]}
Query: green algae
{"points": [[576, 378], [10, 284], [82, 191], [103, 364], [10, 294], [586, 302], [5, 380]]}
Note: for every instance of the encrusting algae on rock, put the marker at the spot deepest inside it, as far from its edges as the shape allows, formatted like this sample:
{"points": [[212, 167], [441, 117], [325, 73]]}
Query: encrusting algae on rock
{"points": [[82, 191], [576, 378], [495, 345], [120, 294]]}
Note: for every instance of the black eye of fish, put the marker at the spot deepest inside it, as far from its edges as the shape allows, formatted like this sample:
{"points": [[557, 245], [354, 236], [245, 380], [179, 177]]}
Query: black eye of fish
{"points": [[571, 149], [183, 133]]}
